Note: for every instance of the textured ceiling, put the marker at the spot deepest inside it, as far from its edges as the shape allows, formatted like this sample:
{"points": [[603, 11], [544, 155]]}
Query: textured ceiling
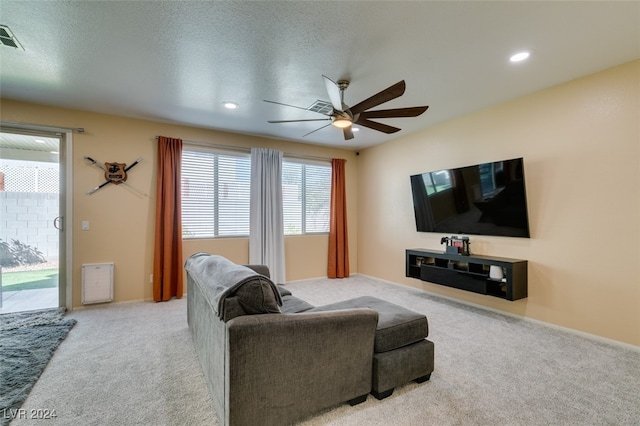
{"points": [[15, 141], [178, 61]]}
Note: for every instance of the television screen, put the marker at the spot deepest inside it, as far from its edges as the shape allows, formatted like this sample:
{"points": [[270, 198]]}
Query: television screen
{"points": [[485, 199]]}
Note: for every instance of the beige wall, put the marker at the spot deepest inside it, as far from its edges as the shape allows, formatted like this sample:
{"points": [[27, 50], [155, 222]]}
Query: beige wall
{"points": [[580, 142], [122, 222]]}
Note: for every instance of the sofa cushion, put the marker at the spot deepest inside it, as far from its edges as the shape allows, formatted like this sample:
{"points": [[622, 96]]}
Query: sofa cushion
{"points": [[397, 326], [294, 305], [256, 296], [283, 291], [232, 309], [260, 269], [220, 278]]}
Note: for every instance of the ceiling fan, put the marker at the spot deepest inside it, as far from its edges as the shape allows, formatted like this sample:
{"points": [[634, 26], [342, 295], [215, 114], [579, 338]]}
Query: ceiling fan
{"points": [[343, 116]]}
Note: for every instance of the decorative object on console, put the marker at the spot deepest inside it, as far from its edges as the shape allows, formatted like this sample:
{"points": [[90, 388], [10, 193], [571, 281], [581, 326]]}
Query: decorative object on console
{"points": [[496, 272], [456, 245]]}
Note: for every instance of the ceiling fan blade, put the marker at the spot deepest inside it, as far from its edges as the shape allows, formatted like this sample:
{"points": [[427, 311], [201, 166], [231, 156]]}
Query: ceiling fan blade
{"points": [[280, 103], [377, 126], [334, 93], [296, 121], [319, 128], [398, 112], [348, 133], [386, 95]]}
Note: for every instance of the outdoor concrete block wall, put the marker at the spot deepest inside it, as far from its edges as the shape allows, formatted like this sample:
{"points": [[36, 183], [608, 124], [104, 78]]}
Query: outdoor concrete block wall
{"points": [[28, 217]]}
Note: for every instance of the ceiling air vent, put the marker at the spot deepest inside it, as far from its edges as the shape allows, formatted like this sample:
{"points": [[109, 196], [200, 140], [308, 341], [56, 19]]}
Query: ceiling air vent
{"points": [[322, 107], [8, 39]]}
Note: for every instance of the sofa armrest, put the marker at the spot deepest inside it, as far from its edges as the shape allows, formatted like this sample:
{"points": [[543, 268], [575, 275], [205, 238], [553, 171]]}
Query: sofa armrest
{"points": [[260, 269], [281, 368]]}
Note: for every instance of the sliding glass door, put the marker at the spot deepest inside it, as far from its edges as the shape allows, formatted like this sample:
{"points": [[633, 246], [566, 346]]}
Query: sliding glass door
{"points": [[32, 224]]}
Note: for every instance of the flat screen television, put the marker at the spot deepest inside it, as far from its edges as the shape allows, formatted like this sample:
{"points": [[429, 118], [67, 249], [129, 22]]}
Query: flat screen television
{"points": [[484, 199]]}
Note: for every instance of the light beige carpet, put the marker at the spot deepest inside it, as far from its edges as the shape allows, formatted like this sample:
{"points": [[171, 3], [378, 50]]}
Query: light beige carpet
{"points": [[134, 364]]}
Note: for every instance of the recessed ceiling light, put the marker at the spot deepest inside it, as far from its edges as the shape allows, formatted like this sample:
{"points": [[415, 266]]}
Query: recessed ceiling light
{"points": [[355, 129], [520, 56], [230, 105]]}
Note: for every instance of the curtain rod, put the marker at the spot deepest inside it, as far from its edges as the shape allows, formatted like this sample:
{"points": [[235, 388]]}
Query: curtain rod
{"points": [[39, 128], [248, 150]]}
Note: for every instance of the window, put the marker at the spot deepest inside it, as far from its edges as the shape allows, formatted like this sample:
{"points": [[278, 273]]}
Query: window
{"points": [[490, 177], [215, 193], [306, 197], [437, 181]]}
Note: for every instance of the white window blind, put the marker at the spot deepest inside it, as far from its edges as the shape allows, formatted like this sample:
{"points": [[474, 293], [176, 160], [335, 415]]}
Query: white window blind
{"points": [[306, 197], [215, 193]]}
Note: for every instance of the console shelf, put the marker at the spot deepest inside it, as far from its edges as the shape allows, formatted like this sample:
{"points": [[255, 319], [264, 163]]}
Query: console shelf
{"points": [[471, 273]]}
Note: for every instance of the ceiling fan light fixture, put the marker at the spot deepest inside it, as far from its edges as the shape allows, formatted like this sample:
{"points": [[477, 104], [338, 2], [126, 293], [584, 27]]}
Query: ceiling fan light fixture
{"points": [[341, 122], [344, 117], [520, 56]]}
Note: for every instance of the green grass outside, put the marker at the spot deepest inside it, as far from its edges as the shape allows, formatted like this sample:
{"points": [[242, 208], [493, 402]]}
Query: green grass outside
{"points": [[29, 280]]}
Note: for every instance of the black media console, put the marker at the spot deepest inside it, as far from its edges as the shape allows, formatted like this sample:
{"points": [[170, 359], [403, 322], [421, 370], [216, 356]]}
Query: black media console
{"points": [[495, 276]]}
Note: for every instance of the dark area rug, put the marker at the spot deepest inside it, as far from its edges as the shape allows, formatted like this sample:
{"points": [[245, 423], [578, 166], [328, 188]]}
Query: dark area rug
{"points": [[27, 342]]}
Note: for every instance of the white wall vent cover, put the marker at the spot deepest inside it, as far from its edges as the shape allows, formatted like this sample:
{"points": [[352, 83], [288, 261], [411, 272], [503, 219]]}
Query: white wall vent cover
{"points": [[97, 283], [8, 39], [323, 107]]}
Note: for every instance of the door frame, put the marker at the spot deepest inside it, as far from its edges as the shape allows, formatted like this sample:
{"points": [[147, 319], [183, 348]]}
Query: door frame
{"points": [[65, 241]]}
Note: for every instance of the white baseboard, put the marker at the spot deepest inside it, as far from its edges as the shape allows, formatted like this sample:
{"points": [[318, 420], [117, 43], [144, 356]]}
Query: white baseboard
{"points": [[584, 334], [320, 278], [108, 304]]}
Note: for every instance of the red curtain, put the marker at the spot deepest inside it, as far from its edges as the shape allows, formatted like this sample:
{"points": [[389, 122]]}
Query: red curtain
{"points": [[167, 258], [338, 241]]}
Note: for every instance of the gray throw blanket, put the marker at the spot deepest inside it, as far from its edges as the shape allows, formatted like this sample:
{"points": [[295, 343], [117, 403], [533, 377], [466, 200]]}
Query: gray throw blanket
{"points": [[219, 278]]}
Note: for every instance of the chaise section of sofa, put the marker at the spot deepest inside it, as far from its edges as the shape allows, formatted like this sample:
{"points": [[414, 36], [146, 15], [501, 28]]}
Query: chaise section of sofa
{"points": [[274, 368]]}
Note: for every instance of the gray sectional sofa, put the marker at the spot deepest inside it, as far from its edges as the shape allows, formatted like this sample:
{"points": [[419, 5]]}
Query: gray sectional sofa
{"points": [[271, 358]]}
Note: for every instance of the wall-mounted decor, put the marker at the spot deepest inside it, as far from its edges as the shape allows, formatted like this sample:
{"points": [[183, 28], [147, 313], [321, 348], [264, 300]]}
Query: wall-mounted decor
{"points": [[115, 173]]}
